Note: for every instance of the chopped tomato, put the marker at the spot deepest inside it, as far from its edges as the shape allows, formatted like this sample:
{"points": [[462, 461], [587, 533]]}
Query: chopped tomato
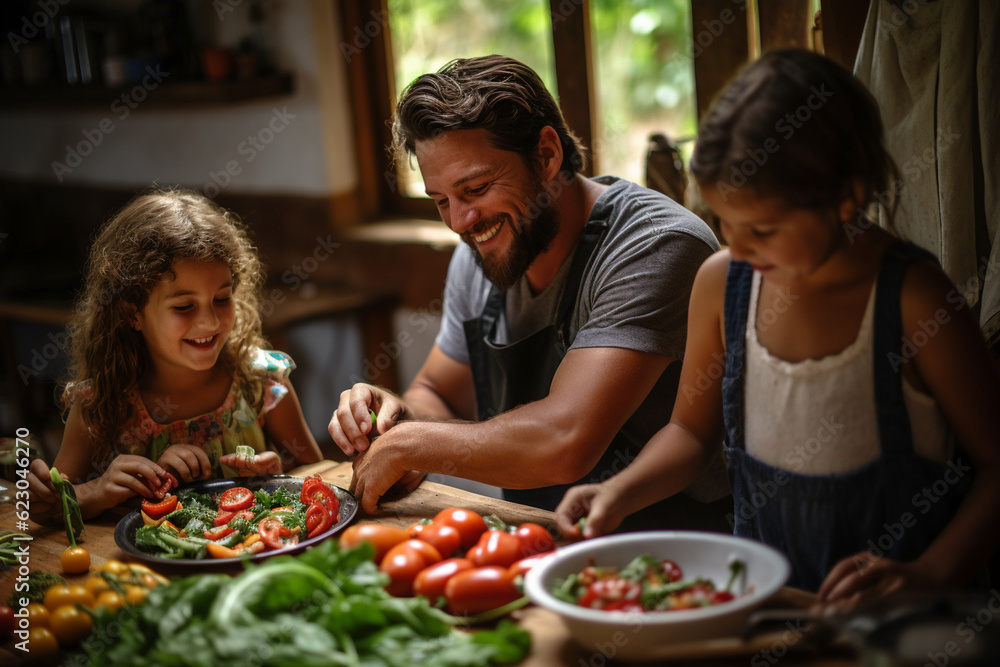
{"points": [[318, 520], [270, 532], [283, 508], [672, 571], [236, 498], [219, 532], [225, 517], [321, 494], [160, 509], [604, 593]]}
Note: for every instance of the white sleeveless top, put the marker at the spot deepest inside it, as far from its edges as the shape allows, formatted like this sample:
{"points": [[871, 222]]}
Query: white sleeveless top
{"points": [[817, 417]]}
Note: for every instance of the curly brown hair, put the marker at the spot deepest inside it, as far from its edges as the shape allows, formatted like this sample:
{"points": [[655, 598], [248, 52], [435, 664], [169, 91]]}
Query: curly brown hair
{"points": [[501, 95], [133, 252]]}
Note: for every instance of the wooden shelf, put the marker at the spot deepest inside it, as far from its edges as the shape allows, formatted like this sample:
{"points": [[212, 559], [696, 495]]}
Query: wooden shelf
{"points": [[169, 94]]}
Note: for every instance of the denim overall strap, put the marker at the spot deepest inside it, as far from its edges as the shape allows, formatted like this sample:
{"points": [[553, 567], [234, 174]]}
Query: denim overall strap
{"points": [[737, 305]]}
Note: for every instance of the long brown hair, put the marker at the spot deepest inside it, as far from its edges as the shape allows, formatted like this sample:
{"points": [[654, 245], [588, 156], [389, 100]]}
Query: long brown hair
{"points": [[501, 95], [133, 252], [796, 126]]}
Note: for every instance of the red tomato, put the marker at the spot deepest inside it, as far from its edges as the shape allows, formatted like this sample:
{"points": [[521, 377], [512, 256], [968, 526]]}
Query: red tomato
{"points": [[270, 532], [480, 589], [431, 581], [417, 528], [7, 622], [382, 538], [236, 499], [218, 532], [521, 567], [496, 547], [469, 524], [318, 520], [722, 596], [402, 565], [160, 509], [611, 594], [224, 517], [426, 550], [535, 539], [672, 571], [307, 485], [446, 539], [318, 493]]}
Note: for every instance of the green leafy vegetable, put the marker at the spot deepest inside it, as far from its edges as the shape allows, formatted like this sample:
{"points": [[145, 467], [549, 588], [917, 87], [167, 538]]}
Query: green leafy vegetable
{"points": [[71, 508], [323, 607], [10, 548]]}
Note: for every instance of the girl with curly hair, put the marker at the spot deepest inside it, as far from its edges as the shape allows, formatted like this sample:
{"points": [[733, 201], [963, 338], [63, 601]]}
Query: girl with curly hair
{"points": [[169, 371]]}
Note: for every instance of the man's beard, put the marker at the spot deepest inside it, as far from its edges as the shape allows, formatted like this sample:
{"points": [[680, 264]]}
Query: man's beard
{"points": [[531, 237]]}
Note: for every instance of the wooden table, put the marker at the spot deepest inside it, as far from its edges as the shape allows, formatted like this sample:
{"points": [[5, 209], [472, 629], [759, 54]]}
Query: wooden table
{"points": [[551, 643]]}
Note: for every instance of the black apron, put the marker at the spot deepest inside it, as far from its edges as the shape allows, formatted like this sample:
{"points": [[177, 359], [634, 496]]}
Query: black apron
{"points": [[506, 376]]}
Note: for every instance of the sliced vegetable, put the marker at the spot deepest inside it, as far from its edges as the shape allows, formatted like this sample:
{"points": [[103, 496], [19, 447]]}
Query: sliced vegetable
{"points": [[236, 498], [161, 509]]}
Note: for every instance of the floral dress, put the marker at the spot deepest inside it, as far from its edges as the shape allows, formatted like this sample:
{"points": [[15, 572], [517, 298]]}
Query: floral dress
{"points": [[218, 432]]}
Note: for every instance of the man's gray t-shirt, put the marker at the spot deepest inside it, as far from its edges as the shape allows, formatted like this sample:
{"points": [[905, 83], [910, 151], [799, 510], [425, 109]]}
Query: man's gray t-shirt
{"points": [[634, 291]]}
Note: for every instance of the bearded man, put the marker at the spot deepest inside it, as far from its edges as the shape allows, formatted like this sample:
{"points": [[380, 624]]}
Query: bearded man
{"points": [[565, 310]]}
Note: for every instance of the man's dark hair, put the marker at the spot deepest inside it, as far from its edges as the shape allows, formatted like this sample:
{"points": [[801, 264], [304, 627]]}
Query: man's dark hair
{"points": [[494, 93]]}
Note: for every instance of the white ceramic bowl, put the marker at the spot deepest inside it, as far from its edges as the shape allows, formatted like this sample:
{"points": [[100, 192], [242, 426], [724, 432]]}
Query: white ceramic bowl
{"points": [[637, 635]]}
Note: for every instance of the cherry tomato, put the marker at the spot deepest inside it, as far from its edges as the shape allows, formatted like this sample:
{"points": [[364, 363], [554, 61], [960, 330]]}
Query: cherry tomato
{"points": [[672, 571], [6, 622], [70, 625], [496, 547], [480, 589], [430, 582], [75, 560], [469, 524], [111, 600], [96, 585], [136, 594], [115, 567], [417, 528], [307, 485], [283, 508], [426, 550], [443, 537], [608, 593], [722, 596], [382, 538], [160, 509], [535, 539], [521, 567], [62, 595], [38, 615], [236, 498], [402, 565], [41, 641]]}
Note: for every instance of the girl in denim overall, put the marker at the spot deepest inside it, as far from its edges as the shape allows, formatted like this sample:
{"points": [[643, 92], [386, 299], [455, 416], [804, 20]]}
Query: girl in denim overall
{"points": [[852, 389]]}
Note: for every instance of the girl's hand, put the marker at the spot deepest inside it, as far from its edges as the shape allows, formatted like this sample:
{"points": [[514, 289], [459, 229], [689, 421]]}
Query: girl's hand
{"points": [[865, 576], [265, 463], [45, 503], [188, 462], [598, 503], [129, 476]]}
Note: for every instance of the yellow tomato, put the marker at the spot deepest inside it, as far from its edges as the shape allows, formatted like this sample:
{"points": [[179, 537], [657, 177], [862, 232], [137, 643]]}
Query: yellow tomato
{"points": [[59, 595], [135, 594], [111, 600], [75, 560], [115, 567], [96, 585], [38, 615], [70, 625], [41, 641]]}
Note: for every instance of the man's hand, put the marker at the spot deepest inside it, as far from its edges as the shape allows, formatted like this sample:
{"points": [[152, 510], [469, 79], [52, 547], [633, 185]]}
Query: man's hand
{"points": [[375, 472], [865, 575], [188, 462], [351, 424]]}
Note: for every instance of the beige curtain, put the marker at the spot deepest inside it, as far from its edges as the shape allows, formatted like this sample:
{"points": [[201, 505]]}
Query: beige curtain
{"points": [[934, 67]]}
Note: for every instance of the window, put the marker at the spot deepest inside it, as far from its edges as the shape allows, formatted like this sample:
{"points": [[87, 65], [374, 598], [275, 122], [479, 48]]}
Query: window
{"points": [[642, 74]]}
